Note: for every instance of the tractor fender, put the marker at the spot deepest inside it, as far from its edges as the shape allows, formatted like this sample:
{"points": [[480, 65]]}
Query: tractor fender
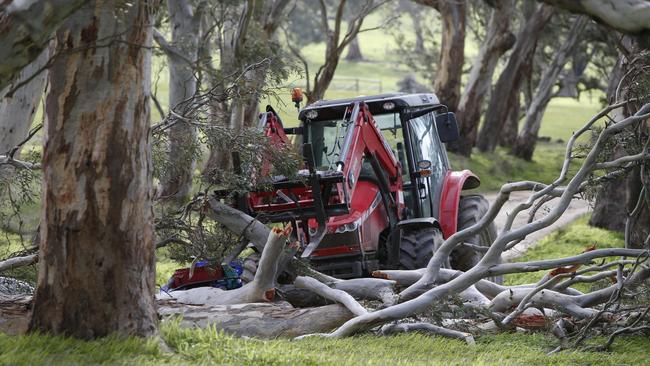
{"points": [[453, 184], [418, 223]]}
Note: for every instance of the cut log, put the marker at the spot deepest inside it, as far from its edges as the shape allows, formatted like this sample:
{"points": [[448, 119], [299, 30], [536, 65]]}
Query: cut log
{"points": [[261, 289], [16, 262], [14, 314], [262, 320]]}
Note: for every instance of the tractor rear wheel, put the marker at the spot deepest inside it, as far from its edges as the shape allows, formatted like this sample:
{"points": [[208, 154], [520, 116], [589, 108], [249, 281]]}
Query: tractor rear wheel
{"points": [[470, 210], [417, 246]]}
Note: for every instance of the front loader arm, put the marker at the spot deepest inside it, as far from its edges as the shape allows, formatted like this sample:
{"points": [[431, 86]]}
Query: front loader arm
{"points": [[365, 140]]}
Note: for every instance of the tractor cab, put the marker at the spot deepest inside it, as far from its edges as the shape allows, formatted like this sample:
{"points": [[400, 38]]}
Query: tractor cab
{"points": [[413, 126]]}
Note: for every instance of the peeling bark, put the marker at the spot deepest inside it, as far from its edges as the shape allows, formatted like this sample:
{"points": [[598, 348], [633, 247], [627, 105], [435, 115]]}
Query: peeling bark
{"points": [[96, 273]]}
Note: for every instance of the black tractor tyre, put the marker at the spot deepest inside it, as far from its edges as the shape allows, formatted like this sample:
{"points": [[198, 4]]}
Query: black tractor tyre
{"points": [[416, 247], [470, 210]]}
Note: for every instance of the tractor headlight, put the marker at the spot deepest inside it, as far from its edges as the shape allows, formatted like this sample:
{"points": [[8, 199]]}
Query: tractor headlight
{"points": [[389, 106], [351, 226], [347, 227], [311, 114]]}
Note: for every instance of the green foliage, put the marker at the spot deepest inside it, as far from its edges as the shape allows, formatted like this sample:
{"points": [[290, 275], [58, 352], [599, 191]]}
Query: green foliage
{"points": [[210, 347]]}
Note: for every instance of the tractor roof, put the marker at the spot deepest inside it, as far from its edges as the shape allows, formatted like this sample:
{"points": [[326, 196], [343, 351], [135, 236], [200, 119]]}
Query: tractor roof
{"points": [[334, 108]]}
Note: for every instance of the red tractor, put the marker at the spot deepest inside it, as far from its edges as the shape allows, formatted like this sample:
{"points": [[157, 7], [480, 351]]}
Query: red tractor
{"points": [[378, 191]]}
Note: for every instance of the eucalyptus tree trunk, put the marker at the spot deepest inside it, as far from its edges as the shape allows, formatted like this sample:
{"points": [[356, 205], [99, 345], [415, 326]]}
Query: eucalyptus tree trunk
{"points": [[17, 110], [336, 40], [452, 52], [527, 138], [97, 264], [498, 40], [25, 30], [511, 77], [259, 23], [621, 203], [182, 54], [418, 30], [511, 126], [354, 51]]}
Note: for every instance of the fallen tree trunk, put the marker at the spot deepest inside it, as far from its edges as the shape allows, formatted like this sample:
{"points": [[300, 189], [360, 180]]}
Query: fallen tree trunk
{"points": [[261, 289], [263, 320], [16, 262]]}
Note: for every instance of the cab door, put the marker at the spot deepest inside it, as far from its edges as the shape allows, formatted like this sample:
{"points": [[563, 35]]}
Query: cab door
{"points": [[427, 162]]}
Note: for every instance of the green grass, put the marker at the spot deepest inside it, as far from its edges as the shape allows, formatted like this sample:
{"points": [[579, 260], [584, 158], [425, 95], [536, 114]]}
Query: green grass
{"points": [[565, 242], [210, 347], [498, 168]]}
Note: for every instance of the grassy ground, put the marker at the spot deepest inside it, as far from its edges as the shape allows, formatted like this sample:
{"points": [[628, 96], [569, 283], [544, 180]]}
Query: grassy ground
{"points": [[210, 347]]}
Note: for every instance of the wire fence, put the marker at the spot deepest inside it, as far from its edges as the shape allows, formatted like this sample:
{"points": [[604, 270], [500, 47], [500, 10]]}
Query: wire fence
{"points": [[353, 84]]}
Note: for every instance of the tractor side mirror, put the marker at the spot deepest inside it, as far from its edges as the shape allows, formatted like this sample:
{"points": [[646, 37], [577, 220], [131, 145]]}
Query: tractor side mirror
{"points": [[447, 127]]}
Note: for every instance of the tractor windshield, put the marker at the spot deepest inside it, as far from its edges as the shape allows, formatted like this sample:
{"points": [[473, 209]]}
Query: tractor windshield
{"points": [[326, 139]]}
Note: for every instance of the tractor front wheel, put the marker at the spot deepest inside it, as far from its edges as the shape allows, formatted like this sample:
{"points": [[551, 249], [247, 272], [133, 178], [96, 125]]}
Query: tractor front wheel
{"points": [[417, 246], [470, 211]]}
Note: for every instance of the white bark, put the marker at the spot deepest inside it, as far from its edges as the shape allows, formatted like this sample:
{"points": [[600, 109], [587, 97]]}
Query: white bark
{"points": [[527, 138], [17, 111], [16, 262], [333, 294], [261, 320]]}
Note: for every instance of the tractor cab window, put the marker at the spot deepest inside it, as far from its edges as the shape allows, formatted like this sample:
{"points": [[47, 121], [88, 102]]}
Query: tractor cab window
{"points": [[326, 138], [426, 146], [390, 126]]}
